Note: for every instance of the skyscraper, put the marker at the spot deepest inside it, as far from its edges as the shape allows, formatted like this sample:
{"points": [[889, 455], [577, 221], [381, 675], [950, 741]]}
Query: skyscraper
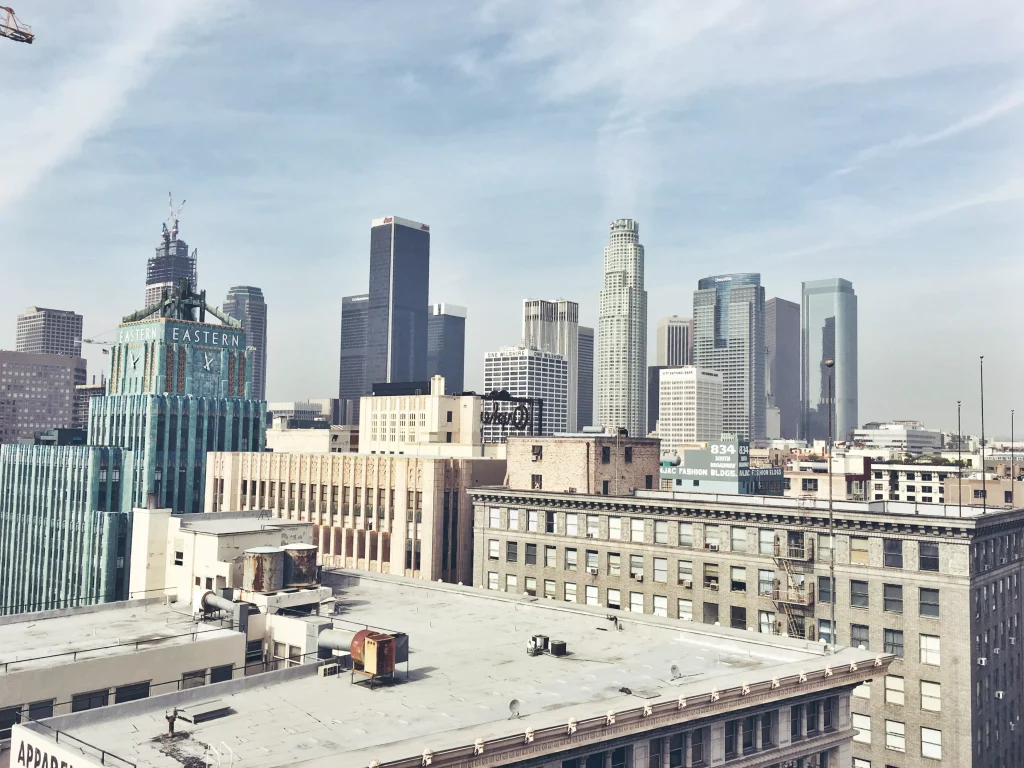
{"points": [[622, 332], [728, 334], [675, 341], [245, 303], [396, 326], [43, 331], [352, 374], [585, 380], [782, 345], [527, 372], [553, 326], [828, 329], [171, 263], [446, 345]]}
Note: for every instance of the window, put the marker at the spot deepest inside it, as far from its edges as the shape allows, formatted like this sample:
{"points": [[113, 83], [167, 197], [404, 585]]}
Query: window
{"points": [[685, 609], [863, 691], [931, 743], [492, 580], [859, 594], [738, 539], [686, 534], [593, 526], [533, 521], [590, 595], [661, 531], [531, 554], [765, 579], [531, 586], [860, 636], [636, 529], [765, 542], [636, 565], [710, 613], [684, 575], [549, 588], [931, 696], [894, 691], [572, 524], [863, 725], [511, 551], [197, 678], [825, 590], [614, 564], [858, 550], [660, 605], [738, 617], [513, 519], [895, 736], [570, 559], [893, 553], [712, 537], [929, 556], [550, 554], [570, 592], [629, 454], [930, 649], [930, 603], [494, 518], [511, 583], [892, 595], [738, 582], [492, 549], [893, 642], [661, 570], [711, 576], [614, 599], [636, 602], [606, 454], [615, 528], [825, 630], [592, 561]]}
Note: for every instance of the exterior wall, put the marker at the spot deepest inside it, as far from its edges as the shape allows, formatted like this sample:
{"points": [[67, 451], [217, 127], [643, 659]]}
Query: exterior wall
{"points": [[417, 424], [575, 464], [37, 392]]}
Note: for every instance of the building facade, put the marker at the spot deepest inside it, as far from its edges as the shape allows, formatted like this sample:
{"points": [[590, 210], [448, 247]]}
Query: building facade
{"points": [[553, 326], [246, 304], [528, 373], [728, 337], [585, 390], [828, 331], [446, 345], [690, 406], [37, 392], [622, 332], [396, 323], [675, 341], [43, 331], [782, 347]]}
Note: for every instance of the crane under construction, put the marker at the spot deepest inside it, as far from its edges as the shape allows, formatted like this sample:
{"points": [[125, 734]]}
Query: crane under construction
{"points": [[11, 28]]}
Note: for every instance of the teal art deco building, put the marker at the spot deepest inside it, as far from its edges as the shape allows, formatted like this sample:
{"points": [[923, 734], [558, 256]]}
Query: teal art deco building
{"points": [[178, 387]]}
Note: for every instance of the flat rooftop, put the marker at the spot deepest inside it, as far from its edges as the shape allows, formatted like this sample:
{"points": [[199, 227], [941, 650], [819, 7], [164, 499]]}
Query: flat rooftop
{"points": [[468, 661], [52, 638]]}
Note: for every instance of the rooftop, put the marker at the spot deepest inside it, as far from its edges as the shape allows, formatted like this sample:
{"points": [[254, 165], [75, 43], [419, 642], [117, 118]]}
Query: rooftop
{"points": [[468, 661]]}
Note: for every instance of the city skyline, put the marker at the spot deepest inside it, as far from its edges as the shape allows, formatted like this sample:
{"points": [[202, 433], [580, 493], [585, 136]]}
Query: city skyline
{"points": [[942, 123]]}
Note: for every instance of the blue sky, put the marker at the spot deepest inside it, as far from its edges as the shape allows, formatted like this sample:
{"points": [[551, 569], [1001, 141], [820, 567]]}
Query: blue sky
{"points": [[875, 141]]}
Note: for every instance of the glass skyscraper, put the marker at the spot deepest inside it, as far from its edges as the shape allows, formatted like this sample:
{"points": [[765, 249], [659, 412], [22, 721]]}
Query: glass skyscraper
{"points": [[728, 337], [828, 330]]}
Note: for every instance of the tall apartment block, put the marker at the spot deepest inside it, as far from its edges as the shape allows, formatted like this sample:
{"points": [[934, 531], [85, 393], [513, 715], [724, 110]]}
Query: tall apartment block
{"points": [[690, 407], [43, 331], [622, 332], [169, 265], [446, 345], [939, 593], [37, 392], [782, 346], [728, 334], [585, 388], [246, 304], [396, 324], [553, 326], [352, 369], [528, 372], [675, 341], [828, 325]]}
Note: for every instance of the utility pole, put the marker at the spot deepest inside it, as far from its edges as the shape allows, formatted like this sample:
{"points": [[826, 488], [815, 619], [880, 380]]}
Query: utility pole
{"points": [[830, 363]]}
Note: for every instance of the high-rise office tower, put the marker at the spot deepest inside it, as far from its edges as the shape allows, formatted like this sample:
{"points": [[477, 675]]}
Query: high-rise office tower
{"points": [[553, 326], [782, 345], [245, 303], [728, 336], [675, 341], [622, 332], [828, 329], [43, 331], [446, 345], [352, 374], [585, 378], [396, 326], [171, 263], [527, 372]]}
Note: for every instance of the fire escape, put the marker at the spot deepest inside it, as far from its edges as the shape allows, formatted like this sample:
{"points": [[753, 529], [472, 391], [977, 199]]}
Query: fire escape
{"points": [[793, 588]]}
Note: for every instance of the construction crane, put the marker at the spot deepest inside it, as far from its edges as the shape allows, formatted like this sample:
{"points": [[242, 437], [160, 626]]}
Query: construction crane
{"points": [[12, 28]]}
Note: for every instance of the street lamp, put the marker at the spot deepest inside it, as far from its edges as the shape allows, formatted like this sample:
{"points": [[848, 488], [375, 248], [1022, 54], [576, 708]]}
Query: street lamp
{"points": [[830, 364]]}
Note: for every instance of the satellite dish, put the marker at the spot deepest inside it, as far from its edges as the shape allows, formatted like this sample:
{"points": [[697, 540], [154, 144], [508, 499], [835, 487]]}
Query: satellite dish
{"points": [[513, 707], [676, 674]]}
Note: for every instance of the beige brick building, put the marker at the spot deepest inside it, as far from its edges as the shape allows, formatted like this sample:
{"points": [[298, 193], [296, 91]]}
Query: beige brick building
{"points": [[389, 514]]}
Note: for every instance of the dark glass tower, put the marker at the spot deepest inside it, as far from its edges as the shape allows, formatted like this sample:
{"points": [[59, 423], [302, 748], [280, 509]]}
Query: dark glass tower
{"points": [[446, 345], [396, 324], [352, 368], [246, 304]]}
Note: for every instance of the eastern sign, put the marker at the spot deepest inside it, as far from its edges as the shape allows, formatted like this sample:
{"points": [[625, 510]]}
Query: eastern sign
{"points": [[180, 332]]}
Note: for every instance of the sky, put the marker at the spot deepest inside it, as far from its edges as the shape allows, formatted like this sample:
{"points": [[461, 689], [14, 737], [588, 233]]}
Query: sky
{"points": [[875, 141]]}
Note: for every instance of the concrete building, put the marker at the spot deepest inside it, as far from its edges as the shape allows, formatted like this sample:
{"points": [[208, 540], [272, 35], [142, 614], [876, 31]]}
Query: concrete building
{"points": [[932, 585], [553, 326], [325, 439], [728, 337], [675, 341], [585, 390], [43, 331], [648, 694], [622, 332], [524, 372], [352, 382], [782, 348], [84, 393], [37, 392], [690, 407], [828, 328], [396, 321], [901, 437], [246, 304], [170, 264], [446, 345]]}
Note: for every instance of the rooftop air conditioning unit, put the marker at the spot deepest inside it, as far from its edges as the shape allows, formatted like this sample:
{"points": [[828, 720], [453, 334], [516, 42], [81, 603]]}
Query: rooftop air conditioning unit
{"points": [[1000, 694], [328, 670], [982, 661], [639, 577]]}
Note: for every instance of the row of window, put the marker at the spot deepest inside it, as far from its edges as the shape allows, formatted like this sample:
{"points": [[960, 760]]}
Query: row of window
{"points": [[896, 738]]}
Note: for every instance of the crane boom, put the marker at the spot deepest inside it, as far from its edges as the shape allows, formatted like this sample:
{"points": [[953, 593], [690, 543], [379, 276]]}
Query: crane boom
{"points": [[11, 28]]}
